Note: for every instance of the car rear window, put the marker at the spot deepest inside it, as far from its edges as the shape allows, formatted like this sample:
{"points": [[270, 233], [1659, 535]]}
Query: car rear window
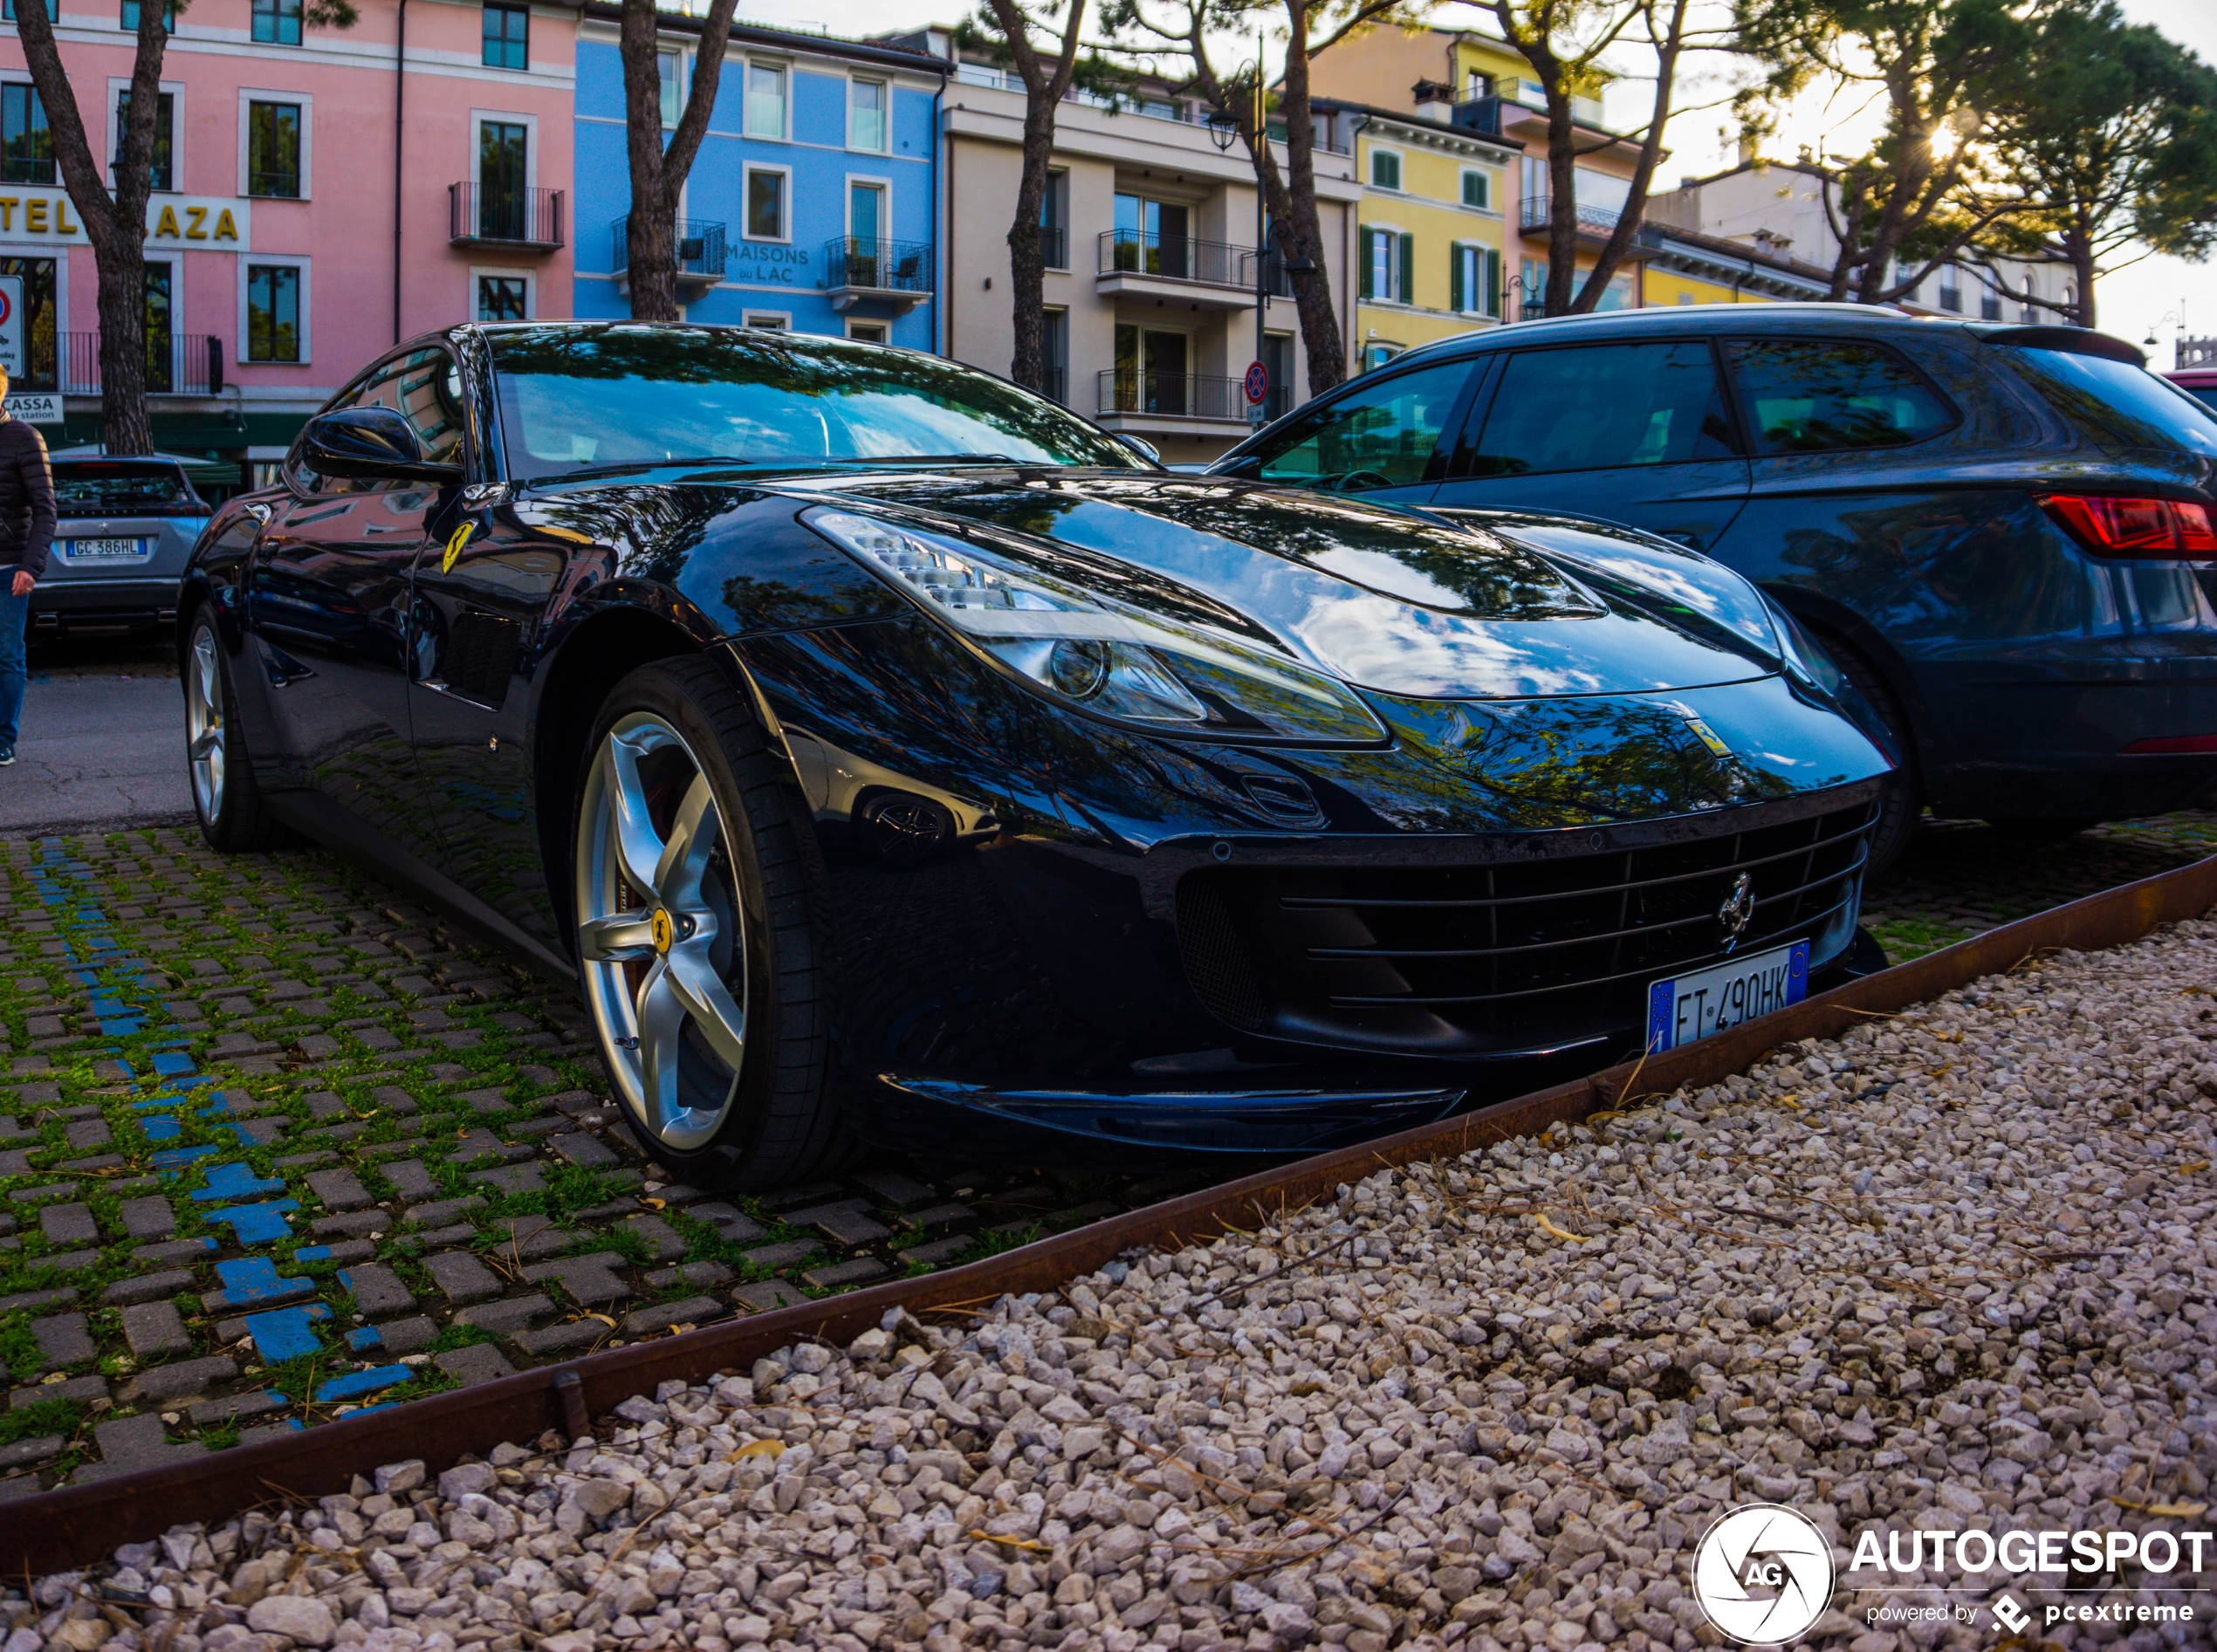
{"points": [[113, 490], [2118, 405], [1829, 395]]}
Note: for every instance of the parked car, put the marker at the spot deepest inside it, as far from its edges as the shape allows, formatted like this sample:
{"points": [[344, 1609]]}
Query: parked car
{"points": [[124, 529], [2001, 533], [2200, 383], [885, 750]]}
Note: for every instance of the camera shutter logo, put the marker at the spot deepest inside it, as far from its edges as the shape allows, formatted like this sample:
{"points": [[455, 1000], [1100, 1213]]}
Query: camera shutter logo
{"points": [[1763, 1573]]}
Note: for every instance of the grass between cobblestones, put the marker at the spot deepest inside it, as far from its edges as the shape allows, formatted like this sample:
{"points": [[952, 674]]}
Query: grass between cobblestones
{"points": [[231, 1081]]}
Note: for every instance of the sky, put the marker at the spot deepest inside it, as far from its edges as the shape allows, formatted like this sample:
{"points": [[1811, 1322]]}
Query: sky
{"points": [[2132, 303]]}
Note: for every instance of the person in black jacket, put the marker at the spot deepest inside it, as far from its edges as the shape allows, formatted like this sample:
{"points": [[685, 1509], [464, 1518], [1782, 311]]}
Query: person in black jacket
{"points": [[26, 529]]}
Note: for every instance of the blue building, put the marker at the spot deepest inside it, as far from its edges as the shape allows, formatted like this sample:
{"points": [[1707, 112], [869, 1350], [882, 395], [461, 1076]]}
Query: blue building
{"points": [[813, 203]]}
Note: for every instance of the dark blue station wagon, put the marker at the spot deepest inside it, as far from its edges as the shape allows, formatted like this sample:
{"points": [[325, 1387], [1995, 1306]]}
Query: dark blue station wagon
{"points": [[2004, 534]]}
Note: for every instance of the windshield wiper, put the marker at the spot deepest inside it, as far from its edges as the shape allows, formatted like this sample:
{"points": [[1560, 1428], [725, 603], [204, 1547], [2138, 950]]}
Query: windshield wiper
{"points": [[654, 464]]}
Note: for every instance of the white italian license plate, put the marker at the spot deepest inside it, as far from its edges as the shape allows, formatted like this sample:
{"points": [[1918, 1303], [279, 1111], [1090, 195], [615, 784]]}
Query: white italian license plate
{"points": [[1720, 997], [97, 550]]}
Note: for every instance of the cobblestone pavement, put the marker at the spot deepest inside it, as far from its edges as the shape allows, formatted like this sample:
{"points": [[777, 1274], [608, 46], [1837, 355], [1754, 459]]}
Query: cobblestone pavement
{"points": [[273, 1148]]}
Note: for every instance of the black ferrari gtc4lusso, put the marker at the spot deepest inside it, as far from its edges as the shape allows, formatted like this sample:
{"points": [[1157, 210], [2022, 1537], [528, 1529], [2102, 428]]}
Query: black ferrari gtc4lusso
{"points": [[889, 754]]}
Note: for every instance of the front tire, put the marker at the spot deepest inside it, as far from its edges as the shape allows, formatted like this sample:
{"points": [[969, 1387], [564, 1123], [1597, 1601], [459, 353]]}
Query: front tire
{"points": [[700, 949], [233, 818]]}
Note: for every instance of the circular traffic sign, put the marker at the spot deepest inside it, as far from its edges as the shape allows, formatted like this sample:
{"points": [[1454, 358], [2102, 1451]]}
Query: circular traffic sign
{"points": [[1257, 382]]}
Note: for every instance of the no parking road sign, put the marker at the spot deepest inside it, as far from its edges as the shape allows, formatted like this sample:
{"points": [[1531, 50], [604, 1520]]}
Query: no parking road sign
{"points": [[1257, 385]]}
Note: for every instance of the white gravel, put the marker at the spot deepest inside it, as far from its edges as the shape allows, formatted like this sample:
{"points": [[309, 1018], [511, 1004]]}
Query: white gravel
{"points": [[1954, 1270]]}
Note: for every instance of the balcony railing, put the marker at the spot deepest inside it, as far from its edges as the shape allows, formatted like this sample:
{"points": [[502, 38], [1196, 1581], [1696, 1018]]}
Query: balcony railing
{"points": [[1592, 219], [1172, 395], [1176, 257], [700, 248], [878, 266], [189, 363], [513, 218]]}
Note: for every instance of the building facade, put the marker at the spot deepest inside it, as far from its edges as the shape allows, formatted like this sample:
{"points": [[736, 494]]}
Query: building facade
{"points": [[1152, 264], [813, 204], [1484, 85], [1431, 254], [1774, 210], [314, 200]]}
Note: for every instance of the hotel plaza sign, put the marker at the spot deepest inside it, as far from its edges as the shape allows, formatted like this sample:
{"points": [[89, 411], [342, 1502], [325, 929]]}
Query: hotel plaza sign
{"points": [[190, 223]]}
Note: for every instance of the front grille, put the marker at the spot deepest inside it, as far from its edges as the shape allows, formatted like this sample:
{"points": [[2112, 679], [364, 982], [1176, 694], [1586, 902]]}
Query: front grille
{"points": [[1474, 960]]}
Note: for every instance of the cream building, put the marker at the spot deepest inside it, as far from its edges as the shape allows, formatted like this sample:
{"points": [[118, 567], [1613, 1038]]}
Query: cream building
{"points": [[1150, 283]]}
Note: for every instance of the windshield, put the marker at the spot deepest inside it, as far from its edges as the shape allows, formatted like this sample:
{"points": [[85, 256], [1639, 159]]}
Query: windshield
{"points": [[2121, 406], [577, 398], [112, 489]]}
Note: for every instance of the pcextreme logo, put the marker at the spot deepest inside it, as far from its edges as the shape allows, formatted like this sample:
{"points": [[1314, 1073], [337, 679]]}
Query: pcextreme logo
{"points": [[1763, 1573]]}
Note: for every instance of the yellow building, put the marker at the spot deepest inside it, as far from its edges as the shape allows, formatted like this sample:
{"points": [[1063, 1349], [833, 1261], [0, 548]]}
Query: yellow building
{"points": [[1430, 227], [1482, 86]]}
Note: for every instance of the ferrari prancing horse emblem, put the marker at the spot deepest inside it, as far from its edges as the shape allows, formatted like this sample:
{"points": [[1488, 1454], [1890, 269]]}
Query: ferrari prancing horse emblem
{"points": [[1738, 910]]}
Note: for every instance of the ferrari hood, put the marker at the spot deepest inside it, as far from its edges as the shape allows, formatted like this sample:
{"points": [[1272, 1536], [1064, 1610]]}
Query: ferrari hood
{"points": [[1406, 604]]}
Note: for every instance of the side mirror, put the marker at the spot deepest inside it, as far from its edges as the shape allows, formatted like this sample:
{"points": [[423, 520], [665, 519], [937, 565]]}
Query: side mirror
{"points": [[369, 441], [1143, 448]]}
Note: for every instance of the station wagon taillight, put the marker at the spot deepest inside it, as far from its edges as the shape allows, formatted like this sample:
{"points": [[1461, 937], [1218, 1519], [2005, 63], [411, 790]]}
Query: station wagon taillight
{"points": [[2110, 526]]}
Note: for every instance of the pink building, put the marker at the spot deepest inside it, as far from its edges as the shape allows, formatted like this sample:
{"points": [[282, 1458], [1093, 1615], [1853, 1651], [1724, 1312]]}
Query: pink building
{"points": [[312, 205]]}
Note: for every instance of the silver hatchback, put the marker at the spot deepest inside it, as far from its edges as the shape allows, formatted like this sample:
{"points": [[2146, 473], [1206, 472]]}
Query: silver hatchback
{"points": [[125, 527]]}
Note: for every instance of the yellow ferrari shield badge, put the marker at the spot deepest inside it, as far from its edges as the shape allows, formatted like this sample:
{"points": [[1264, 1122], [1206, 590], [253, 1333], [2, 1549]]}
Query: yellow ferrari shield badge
{"points": [[453, 545]]}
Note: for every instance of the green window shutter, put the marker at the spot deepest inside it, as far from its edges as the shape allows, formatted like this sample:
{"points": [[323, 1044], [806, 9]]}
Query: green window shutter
{"points": [[1407, 270], [1491, 280], [1455, 295], [1363, 250]]}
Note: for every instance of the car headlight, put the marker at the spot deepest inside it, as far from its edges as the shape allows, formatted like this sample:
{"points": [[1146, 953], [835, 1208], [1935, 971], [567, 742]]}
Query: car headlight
{"points": [[1084, 649]]}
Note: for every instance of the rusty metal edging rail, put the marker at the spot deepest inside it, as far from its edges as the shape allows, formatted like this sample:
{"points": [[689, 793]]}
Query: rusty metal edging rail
{"points": [[76, 1525]]}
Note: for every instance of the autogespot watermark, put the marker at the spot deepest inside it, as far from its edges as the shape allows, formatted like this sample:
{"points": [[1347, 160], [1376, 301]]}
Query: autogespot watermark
{"points": [[1763, 1573]]}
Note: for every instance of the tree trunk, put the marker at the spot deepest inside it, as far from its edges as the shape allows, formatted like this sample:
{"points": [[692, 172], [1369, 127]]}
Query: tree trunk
{"points": [[658, 172], [1627, 223], [1026, 255], [1562, 189], [1321, 340], [116, 226]]}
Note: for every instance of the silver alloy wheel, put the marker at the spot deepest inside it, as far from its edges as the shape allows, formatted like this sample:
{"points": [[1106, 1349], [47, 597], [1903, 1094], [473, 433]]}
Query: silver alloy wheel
{"points": [[659, 931], [204, 749]]}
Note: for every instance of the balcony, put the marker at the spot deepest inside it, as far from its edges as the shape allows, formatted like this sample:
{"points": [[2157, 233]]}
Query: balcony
{"points": [[189, 363], [1126, 400], [1595, 224], [1203, 275], [700, 255], [480, 214], [893, 273]]}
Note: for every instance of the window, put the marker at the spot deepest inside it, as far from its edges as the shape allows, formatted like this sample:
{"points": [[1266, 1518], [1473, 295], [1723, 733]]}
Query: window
{"points": [[273, 150], [1054, 350], [867, 332], [765, 101], [1475, 281], [767, 321], [1595, 407], [1151, 376], [1388, 258], [1151, 238], [1478, 188], [1823, 395], [508, 37], [1375, 354], [2123, 408], [1278, 365], [671, 66], [129, 18], [1382, 435], [765, 204], [866, 217], [1054, 222], [161, 169], [272, 312], [503, 197], [277, 22], [867, 124], [1951, 289], [1385, 170], [504, 297], [161, 377], [1989, 305], [26, 146], [41, 340]]}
